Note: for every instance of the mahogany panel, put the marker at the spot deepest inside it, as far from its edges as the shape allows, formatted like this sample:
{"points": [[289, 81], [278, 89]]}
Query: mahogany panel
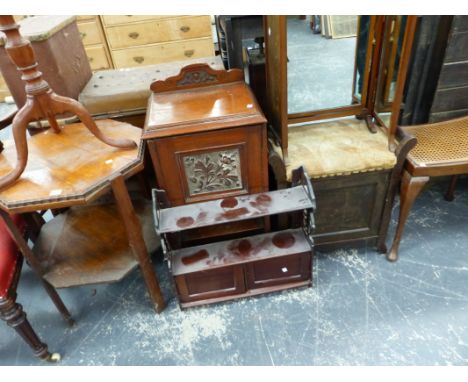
{"points": [[204, 285], [278, 271], [201, 109]]}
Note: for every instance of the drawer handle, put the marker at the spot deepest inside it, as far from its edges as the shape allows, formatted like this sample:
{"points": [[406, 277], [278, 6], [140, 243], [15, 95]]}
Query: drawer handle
{"points": [[139, 59], [83, 35], [184, 28], [189, 53], [284, 270], [133, 35], [90, 59]]}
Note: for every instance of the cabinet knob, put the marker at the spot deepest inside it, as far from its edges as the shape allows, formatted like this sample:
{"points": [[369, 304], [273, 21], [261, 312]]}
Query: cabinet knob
{"points": [[83, 35], [90, 59], [133, 35], [189, 53], [184, 28], [139, 59]]}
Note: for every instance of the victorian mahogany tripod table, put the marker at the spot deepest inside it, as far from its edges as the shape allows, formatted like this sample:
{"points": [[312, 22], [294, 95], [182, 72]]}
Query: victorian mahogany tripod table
{"points": [[90, 242], [70, 166]]}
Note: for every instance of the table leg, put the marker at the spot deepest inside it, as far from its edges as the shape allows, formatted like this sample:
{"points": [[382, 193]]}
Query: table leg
{"points": [[135, 238], [450, 194], [35, 265], [410, 189], [12, 313]]}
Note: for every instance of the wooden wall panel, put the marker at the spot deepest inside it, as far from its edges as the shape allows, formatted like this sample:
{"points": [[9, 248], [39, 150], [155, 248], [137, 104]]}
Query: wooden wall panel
{"points": [[451, 96]]}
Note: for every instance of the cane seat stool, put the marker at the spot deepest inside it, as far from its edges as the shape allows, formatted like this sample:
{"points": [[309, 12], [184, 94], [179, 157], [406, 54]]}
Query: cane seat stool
{"points": [[441, 150], [10, 311], [122, 94]]}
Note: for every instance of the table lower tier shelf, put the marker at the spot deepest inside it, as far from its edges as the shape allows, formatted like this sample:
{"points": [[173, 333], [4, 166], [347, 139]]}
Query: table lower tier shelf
{"points": [[88, 245], [242, 267]]}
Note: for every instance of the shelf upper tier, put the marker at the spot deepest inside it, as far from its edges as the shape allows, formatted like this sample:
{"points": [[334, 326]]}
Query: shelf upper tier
{"points": [[230, 209]]}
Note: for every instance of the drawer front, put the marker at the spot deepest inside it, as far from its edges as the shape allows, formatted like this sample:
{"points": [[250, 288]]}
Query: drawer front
{"points": [[210, 284], [4, 91], [89, 32], [97, 57], [123, 19], [279, 270], [85, 17], [160, 53], [181, 28]]}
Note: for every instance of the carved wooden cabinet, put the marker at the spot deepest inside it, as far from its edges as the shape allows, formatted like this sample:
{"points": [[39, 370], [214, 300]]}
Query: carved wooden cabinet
{"points": [[206, 136]]}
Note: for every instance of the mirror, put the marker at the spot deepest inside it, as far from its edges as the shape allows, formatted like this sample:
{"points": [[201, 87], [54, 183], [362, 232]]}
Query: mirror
{"points": [[361, 65], [394, 30], [322, 52]]}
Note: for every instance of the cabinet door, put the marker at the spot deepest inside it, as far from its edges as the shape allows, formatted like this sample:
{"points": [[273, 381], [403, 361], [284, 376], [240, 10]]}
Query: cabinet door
{"points": [[279, 270], [210, 284], [212, 165]]}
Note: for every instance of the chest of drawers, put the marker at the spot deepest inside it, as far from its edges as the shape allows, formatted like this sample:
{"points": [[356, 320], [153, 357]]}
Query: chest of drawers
{"points": [[4, 92], [145, 40], [94, 41]]}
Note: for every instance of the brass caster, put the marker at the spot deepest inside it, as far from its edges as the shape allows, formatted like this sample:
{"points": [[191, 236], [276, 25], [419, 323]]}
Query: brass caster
{"points": [[53, 358], [392, 256]]}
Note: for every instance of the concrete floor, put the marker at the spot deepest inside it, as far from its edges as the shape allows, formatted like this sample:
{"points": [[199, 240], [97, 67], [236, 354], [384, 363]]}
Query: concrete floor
{"points": [[361, 310]]}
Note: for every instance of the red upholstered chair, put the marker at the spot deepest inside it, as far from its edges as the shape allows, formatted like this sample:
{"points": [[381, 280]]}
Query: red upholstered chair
{"points": [[11, 261]]}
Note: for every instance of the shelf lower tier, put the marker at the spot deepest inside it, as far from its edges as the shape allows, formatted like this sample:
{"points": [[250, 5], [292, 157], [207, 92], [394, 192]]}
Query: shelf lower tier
{"points": [[242, 267], [88, 245], [239, 251]]}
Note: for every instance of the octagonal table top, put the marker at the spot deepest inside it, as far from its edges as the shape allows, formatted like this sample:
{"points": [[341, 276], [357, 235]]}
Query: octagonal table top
{"points": [[69, 168]]}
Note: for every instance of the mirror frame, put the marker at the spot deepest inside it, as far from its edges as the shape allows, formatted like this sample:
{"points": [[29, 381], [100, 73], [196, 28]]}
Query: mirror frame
{"points": [[276, 81]]}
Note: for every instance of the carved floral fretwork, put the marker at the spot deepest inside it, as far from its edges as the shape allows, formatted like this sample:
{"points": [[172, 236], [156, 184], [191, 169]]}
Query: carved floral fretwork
{"points": [[213, 171], [197, 77]]}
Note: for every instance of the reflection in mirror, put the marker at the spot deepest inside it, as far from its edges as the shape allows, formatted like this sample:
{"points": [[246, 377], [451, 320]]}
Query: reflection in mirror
{"points": [[389, 65], [321, 58], [360, 59]]}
